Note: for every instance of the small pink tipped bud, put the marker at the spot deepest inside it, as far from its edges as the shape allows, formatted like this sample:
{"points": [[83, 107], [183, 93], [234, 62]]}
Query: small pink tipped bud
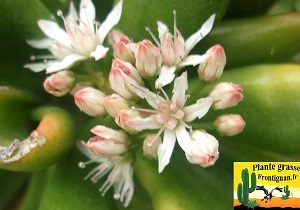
{"points": [[229, 124], [122, 118], [122, 76], [114, 104], [115, 36], [108, 142], [122, 46], [212, 69], [226, 95], [148, 58], [150, 146], [90, 101], [204, 149], [59, 84]]}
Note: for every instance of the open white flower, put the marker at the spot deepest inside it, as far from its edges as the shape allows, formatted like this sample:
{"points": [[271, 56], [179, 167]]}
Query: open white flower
{"points": [[120, 175], [175, 50], [170, 117], [82, 39]]}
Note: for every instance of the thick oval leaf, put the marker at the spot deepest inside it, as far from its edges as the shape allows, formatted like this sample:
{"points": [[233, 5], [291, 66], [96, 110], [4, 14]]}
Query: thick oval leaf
{"points": [[47, 144], [15, 105], [270, 107], [257, 40], [137, 14], [67, 188]]}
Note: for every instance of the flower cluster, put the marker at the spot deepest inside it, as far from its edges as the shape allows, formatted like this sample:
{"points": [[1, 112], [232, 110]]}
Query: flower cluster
{"points": [[146, 93]]}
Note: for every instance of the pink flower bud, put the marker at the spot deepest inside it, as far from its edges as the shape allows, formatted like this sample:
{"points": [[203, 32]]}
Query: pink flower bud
{"points": [[122, 76], [148, 58], [226, 95], [107, 142], [150, 146], [122, 118], [229, 124], [122, 46], [90, 101], [114, 104], [173, 51], [212, 68], [115, 36], [59, 84], [204, 149]]}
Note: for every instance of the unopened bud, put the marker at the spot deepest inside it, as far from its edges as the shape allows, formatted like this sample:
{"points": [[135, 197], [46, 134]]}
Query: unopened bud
{"points": [[114, 104], [60, 83], [115, 36], [90, 101], [122, 118], [107, 142], [148, 58], [229, 124], [122, 76], [204, 149], [212, 69], [150, 145], [226, 95]]}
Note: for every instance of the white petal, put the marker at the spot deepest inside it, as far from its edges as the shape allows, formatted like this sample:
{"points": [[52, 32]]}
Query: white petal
{"points": [[193, 60], [162, 29], [40, 44], [183, 138], [99, 53], [199, 109], [151, 98], [166, 76], [36, 67], [202, 32], [180, 87], [87, 13], [139, 124], [72, 12], [67, 62], [165, 150], [52, 30], [85, 150], [112, 19], [108, 133]]}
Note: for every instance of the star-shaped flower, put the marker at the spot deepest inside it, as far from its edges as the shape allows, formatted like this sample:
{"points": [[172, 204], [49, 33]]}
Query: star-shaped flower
{"points": [[120, 175], [170, 117], [82, 38], [175, 50]]}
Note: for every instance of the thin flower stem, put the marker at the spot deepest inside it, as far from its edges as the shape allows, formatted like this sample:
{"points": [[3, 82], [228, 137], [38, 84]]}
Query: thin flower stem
{"points": [[203, 126]]}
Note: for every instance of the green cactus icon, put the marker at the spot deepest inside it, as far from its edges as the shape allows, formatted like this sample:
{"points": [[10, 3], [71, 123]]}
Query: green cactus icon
{"points": [[287, 193], [243, 189]]}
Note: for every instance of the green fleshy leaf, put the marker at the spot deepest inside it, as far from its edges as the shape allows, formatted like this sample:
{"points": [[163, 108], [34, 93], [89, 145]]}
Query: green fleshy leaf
{"points": [[190, 15], [47, 144], [35, 189], [15, 106], [67, 188], [251, 41], [270, 107], [18, 22], [11, 184]]}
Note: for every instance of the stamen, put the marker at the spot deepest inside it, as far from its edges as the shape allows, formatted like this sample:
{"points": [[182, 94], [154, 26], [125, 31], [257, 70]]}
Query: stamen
{"points": [[97, 24], [83, 164], [133, 108], [152, 35], [175, 27], [165, 94], [156, 137], [186, 98]]}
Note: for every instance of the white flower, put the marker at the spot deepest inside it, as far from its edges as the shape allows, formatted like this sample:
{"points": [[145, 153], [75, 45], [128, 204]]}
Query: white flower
{"points": [[204, 149], [120, 175], [170, 117], [82, 39], [175, 49]]}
